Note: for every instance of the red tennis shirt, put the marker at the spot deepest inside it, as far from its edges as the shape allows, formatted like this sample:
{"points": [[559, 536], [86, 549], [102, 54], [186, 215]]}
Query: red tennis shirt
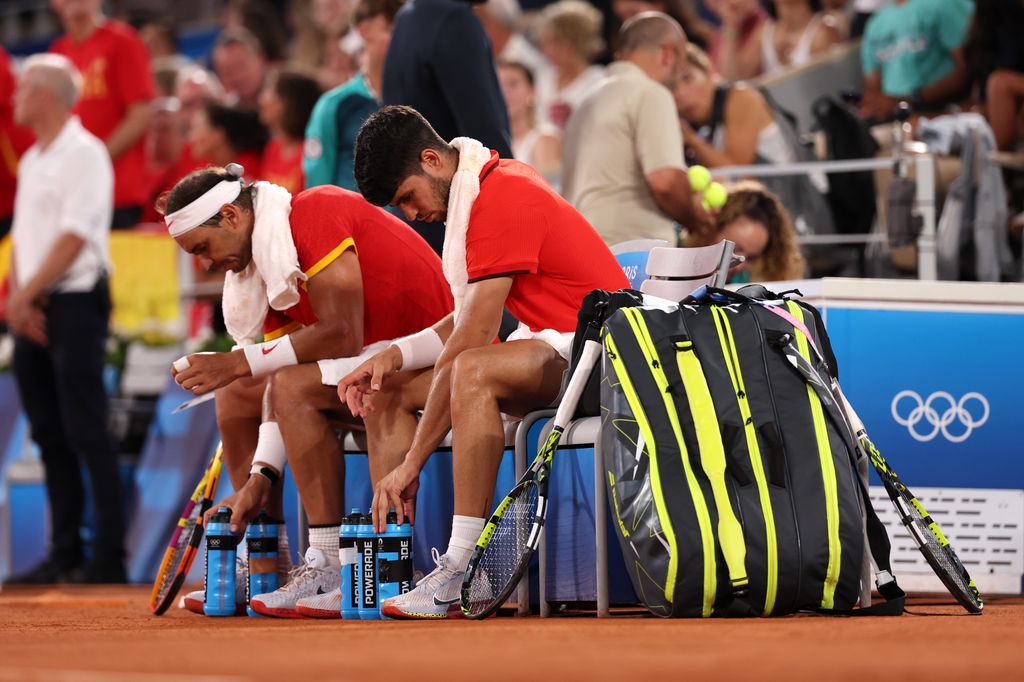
{"points": [[404, 289], [114, 64], [521, 228]]}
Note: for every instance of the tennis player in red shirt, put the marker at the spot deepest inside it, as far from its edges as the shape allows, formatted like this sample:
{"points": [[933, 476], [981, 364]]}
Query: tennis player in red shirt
{"points": [[14, 140], [357, 276], [525, 248], [116, 94]]}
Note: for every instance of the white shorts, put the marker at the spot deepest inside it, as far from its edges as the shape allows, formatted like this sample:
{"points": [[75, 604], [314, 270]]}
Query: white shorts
{"points": [[560, 341], [333, 371]]}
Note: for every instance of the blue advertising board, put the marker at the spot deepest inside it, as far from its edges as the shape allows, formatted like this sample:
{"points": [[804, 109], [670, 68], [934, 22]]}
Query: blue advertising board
{"points": [[939, 392]]}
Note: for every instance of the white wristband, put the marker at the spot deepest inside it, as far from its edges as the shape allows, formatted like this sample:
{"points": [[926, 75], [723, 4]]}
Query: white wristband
{"points": [[420, 350], [269, 356]]}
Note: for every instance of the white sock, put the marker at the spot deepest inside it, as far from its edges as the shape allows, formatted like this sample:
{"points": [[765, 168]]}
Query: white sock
{"points": [[325, 538], [465, 532], [270, 446]]}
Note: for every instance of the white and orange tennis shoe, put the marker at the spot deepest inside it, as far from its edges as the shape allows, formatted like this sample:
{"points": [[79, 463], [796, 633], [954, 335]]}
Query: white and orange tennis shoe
{"points": [[435, 597], [316, 576], [320, 606]]}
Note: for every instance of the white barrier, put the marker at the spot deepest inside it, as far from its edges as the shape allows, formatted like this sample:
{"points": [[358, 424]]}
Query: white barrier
{"points": [[924, 201]]}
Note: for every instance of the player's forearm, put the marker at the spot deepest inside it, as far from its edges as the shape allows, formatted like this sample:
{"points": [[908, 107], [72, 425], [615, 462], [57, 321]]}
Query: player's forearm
{"points": [[63, 253], [131, 129], [327, 339]]}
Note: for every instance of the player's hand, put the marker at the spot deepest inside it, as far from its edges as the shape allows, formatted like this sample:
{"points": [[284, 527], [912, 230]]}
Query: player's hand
{"points": [[209, 371], [246, 503], [358, 386], [396, 490]]}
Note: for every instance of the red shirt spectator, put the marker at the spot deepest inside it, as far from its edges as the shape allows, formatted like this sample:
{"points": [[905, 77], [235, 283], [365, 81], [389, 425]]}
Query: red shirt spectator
{"points": [[14, 140], [115, 69], [283, 166]]}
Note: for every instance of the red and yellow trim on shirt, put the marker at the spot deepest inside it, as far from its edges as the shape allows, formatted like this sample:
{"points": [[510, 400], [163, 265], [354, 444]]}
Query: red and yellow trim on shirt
{"points": [[348, 243], [281, 331]]}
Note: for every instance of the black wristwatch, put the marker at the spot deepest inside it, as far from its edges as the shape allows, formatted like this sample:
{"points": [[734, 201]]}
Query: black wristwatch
{"points": [[265, 471]]}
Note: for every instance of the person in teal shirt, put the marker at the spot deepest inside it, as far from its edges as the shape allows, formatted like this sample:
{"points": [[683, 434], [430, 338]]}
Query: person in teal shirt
{"points": [[329, 151], [912, 50]]}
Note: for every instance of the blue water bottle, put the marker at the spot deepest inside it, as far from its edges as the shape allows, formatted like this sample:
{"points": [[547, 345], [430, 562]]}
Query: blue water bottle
{"points": [[349, 566], [221, 546], [366, 546], [261, 541], [394, 559]]}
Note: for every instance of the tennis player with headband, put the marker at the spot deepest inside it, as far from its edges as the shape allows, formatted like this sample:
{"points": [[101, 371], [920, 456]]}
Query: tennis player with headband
{"points": [[313, 283]]}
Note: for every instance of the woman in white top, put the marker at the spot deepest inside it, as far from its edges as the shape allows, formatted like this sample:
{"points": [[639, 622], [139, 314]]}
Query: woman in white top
{"points": [[538, 144], [569, 35], [797, 31]]}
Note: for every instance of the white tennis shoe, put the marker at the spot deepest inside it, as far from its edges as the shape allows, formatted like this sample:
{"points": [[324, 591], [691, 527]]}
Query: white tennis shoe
{"points": [[315, 577], [436, 596], [320, 606]]}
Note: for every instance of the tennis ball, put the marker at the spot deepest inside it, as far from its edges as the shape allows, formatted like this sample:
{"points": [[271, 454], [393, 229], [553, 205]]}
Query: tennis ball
{"points": [[700, 178], [715, 196]]}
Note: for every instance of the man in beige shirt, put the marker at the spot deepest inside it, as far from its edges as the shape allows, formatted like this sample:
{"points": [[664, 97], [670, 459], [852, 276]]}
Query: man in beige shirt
{"points": [[623, 151]]}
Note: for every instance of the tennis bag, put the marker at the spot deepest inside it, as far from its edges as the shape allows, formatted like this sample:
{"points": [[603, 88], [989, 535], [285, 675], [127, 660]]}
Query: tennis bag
{"points": [[733, 487]]}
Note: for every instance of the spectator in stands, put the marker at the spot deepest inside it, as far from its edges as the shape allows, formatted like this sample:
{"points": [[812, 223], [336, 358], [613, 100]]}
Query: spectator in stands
{"points": [[439, 62], [326, 42], [913, 50], [14, 140], [502, 21], [736, 50], [995, 61], [264, 21], [160, 37], [686, 12], [631, 183], [115, 101], [195, 88], [535, 143], [331, 133], [223, 134], [797, 31], [240, 64], [58, 310], [164, 146], [569, 34], [739, 126], [285, 106], [756, 221]]}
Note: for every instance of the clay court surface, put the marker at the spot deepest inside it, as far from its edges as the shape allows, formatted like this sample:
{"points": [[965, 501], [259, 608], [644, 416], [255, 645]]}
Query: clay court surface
{"points": [[107, 633]]}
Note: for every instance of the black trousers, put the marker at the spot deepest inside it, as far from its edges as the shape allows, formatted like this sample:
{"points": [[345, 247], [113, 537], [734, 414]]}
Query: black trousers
{"points": [[61, 387]]}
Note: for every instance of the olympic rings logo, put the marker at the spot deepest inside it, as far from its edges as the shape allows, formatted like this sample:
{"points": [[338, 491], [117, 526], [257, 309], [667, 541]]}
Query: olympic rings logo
{"points": [[939, 411]]}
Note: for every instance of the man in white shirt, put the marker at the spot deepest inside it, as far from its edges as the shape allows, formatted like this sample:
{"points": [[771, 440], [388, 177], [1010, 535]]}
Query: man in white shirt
{"points": [[58, 309], [622, 155]]}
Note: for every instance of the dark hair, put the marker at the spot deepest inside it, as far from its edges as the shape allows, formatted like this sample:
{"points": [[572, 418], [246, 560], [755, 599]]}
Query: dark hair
{"points": [[241, 126], [197, 183], [518, 66], [298, 93], [368, 9], [388, 151]]}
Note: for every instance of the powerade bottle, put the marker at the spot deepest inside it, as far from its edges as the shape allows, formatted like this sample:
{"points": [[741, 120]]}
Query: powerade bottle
{"points": [[261, 541], [366, 546], [394, 559], [221, 546], [349, 566]]}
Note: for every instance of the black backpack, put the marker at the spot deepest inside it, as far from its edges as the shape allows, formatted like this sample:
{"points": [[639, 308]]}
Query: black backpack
{"points": [[851, 196]]}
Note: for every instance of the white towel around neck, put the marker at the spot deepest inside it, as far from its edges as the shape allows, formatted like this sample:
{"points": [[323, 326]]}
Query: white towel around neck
{"points": [[273, 275], [464, 190]]}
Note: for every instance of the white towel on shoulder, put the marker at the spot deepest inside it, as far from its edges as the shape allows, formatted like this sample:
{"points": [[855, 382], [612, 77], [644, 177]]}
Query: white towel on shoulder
{"points": [[464, 191], [273, 276]]}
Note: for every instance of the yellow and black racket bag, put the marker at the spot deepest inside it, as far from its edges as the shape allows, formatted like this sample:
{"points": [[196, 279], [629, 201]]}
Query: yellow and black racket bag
{"points": [[732, 486]]}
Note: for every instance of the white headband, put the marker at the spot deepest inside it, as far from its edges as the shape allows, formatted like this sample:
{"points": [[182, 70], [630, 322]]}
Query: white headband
{"points": [[191, 216]]}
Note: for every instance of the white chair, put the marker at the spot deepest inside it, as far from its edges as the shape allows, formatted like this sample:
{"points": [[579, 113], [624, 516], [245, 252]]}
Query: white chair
{"points": [[633, 256], [672, 273]]}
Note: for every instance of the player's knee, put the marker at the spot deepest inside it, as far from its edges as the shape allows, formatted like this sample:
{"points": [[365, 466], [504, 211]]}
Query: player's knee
{"points": [[286, 390], [470, 373]]}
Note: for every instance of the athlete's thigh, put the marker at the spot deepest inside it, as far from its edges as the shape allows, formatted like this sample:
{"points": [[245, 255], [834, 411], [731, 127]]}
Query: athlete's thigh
{"points": [[523, 375], [241, 398]]}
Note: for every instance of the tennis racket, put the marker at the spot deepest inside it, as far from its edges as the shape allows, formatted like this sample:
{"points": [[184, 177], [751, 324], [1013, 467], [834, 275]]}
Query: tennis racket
{"points": [[922, 528], [513, 532], [926, 532], [185, 539]]}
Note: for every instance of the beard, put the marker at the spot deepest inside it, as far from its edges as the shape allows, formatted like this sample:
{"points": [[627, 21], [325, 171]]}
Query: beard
{"points": [[441, 188]]}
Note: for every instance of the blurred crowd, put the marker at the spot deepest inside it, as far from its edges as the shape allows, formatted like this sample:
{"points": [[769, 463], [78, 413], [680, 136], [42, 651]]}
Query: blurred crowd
{"points": [[284, 86]]}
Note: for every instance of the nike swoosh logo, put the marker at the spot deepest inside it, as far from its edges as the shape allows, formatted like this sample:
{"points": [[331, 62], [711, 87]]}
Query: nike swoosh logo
{"points": [[268, 351], [320, 589], [444, 602]]}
